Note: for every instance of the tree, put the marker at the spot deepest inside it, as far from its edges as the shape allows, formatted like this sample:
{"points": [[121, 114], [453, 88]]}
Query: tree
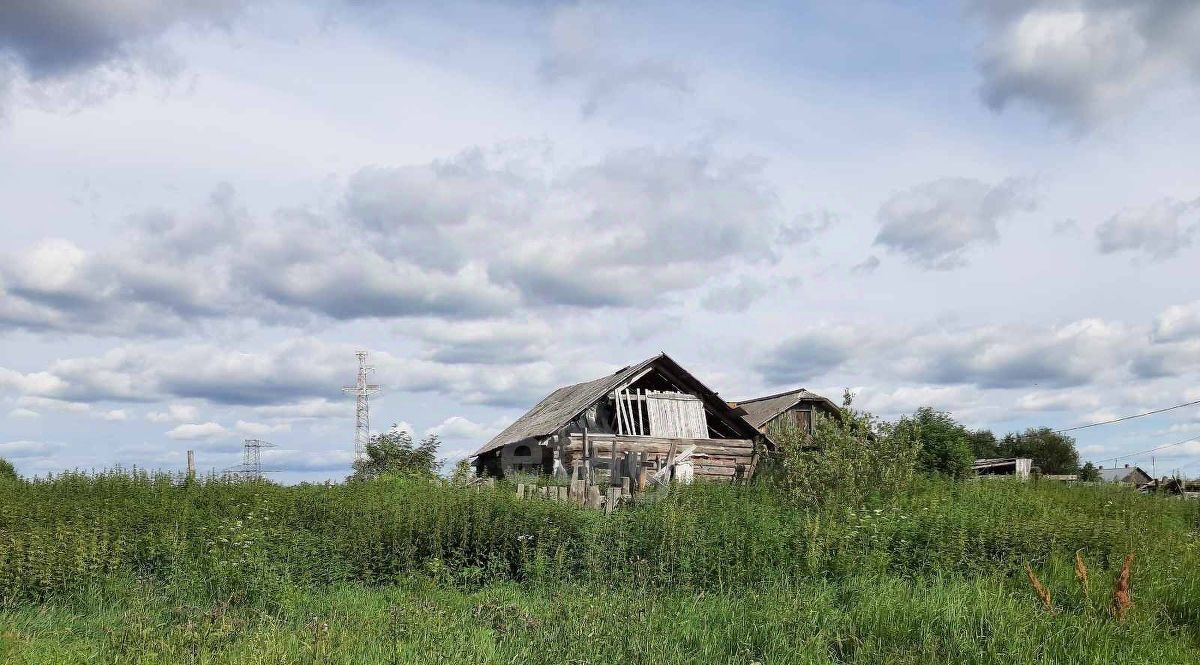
{"points": [[1050, 451], [983, 443], [847, 458], [944, 445], [7, 470], [394, 453], [1088, 473], [463, 472]]}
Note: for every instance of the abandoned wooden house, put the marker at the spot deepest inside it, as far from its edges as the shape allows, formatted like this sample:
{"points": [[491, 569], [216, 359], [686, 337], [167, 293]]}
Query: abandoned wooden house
{"points": [[795, 407], [1133, 475], [654, 411]]}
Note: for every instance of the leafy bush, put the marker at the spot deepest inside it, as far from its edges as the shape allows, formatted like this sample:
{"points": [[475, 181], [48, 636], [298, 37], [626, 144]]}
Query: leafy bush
{"points": [[847, 460], [394, 453], [7, 470], [944, 445]]}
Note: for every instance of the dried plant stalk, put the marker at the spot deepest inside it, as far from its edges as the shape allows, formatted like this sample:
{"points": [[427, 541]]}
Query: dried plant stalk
{"points": [[1081, 574], [1122, 593], [1042, 591]]}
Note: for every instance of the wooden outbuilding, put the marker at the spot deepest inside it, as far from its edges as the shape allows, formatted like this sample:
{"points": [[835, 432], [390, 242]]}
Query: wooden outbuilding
{"points": [[797, 407], [652, 412]]}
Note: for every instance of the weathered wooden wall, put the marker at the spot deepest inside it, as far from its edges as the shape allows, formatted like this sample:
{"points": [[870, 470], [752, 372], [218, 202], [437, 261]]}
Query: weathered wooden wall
{"points": [[713, 459]]}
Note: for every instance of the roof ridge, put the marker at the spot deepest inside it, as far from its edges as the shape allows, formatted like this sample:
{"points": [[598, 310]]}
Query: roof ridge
{"points": [[766, 397]]}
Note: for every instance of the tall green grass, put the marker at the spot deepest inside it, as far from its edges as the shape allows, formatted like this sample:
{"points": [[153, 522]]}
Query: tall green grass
{"points": [[936, 570]]}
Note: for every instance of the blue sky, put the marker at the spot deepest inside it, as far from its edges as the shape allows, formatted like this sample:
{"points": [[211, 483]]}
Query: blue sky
{"points": [[987, 207]]}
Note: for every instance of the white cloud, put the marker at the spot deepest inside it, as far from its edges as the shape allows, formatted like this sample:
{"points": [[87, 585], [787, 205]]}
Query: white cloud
{"points": [[180, 413], [935, 223], [198, 431], [28, 449], [1160, 231], [458, 429], [1177, 323], [260, 429], [1082, 61]]}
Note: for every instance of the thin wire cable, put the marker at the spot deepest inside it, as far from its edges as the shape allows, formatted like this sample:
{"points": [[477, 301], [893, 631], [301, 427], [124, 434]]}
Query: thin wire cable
{"points": [[1144, 452], [1124, 418]]}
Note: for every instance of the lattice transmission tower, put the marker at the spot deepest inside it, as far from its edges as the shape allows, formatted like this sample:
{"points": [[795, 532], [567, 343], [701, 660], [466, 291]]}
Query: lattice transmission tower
{"points": [[251, 466], [362, 391]]}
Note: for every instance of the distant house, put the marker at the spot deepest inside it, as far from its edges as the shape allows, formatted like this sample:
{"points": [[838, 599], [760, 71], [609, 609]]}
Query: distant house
{"points": [[795, 406], [1132, 475], [655, 408], [1019, 467]]}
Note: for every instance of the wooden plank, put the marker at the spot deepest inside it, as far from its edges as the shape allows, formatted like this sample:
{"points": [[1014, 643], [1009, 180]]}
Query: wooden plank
{"points": [[659, 449], [663, 474], [657, 444], [639, 414]]}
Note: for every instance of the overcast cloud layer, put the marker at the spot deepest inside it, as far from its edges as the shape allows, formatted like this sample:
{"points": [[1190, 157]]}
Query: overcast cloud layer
{"points": [[210, 205]]}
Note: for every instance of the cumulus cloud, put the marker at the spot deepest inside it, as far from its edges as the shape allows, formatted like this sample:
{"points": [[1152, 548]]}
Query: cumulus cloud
{"points": [[75, 52], [935, 223], [1081, 61], [198, 431], [28, 449], [1056, 401], [294, 379], [180, 413], [1011, 357], [472, 237], [260, 429], [735, 297], [804, 357], [1177, 323], [310, 409], [1159, 231]]}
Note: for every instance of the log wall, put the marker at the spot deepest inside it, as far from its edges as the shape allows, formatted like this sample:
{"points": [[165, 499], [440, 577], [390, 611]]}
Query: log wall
{"points": [[717, 459]]}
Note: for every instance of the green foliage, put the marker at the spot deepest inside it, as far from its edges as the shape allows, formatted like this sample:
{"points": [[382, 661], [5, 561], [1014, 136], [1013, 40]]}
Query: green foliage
{"points": [[847, 459], [7, 470], [1088, 473], [463, 472], [983, 444], [1051, 452], [394, 453], [944, 447]]}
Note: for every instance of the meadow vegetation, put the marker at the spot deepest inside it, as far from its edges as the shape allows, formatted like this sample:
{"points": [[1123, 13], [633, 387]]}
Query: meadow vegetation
{"points": [[901, 567]]}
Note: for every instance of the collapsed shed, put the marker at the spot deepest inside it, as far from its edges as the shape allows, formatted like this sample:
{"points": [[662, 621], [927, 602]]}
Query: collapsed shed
{"points": [[655, 409]]}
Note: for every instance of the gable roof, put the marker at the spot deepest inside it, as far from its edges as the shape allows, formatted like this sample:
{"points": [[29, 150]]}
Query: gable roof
{"points": [[565, 404], [1118, 474], [762, 410]]}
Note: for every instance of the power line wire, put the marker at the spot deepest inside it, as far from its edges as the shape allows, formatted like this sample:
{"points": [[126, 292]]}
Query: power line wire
{"points": [[1144, 452], [1124, 418]]}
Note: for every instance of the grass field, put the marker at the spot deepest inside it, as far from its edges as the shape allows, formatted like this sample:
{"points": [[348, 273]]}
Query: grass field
{"points": [[130, 568]]}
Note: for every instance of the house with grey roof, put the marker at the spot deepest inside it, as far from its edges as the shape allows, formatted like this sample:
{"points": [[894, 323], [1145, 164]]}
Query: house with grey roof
{"points": [[1133, 475], [655, 409], [796, 407]]}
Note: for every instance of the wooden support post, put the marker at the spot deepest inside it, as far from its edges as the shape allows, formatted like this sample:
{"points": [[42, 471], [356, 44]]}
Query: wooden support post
{"points": [[587, 458], [614, 472], [593, 497], [626, 489]]}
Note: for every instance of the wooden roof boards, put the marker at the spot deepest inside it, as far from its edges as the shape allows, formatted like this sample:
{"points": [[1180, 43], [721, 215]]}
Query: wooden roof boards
{"points": [[762, 410], [565, 404]]}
